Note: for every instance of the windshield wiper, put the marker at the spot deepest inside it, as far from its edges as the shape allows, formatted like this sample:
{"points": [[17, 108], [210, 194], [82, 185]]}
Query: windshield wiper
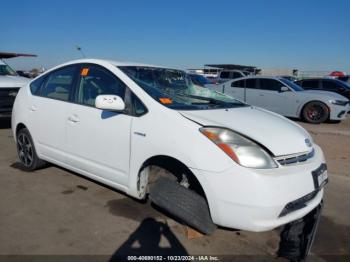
{"points": [[209, 99], [215, 101]]}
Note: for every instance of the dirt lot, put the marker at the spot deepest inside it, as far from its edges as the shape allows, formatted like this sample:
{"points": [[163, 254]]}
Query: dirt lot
{"points": [[57, 212]]}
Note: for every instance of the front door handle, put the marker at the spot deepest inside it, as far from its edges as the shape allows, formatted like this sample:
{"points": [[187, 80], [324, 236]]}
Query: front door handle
{"points": [[73, 119]]}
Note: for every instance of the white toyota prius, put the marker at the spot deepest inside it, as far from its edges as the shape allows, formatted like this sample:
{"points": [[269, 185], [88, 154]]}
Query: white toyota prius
{"points": [[129, 125]]}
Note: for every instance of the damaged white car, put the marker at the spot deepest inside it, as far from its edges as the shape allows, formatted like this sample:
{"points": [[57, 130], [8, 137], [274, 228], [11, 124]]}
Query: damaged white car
{"points": [[225, 163]]}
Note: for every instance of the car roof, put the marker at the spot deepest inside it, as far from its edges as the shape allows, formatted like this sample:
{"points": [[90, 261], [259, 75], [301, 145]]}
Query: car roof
{"points": [[256, 77], [115, 63], [194, 74], [320, 78]]}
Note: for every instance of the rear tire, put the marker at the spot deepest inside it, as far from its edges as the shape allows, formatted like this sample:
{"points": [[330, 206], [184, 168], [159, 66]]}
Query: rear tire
{"points": [[26, 151], [315, 112], [183, 203]]}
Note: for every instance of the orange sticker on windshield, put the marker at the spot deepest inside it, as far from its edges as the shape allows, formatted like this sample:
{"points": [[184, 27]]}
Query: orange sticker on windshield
{"points": [[84, 72], [165, 100]]}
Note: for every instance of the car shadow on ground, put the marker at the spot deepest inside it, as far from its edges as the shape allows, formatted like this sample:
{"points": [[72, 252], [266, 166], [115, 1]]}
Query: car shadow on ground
{"points": [[146, 241], [19, 166], [5, 123]]}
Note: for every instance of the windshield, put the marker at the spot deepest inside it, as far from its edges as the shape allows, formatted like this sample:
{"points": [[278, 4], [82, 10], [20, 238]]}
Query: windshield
{"points": [[200, 80], [343, 83], [291, 84], [174, 89], [6, 70]]}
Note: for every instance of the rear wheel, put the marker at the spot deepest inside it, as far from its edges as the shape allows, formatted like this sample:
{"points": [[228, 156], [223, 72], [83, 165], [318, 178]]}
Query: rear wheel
{"points": [[26, 151], [315, 112]]}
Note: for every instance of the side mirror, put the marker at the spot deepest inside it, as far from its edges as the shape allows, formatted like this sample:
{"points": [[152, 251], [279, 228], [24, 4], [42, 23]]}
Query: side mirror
{"points": [[284, 89], [110, 102]]}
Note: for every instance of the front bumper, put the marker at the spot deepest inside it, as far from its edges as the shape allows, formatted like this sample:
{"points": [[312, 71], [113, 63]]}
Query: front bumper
{"points": [[7, 99], [5, 110], [5, 114], [253, 200], [339, 112]]}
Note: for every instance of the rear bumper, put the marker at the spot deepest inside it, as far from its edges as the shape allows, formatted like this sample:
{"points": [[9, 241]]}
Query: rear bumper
{"points": [[253, 200]]}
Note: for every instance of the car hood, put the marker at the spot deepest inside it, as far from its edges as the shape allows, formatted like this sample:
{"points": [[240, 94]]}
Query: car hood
{"points": [[324, 94], [276, 133], [13, 81]]}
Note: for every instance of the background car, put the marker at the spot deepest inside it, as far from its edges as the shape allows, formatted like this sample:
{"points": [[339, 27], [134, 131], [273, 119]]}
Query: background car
{"points": [[289, 77], [287, 98], [23, 73], [10, 83], [326, 84], [345, 78], [226, 75]]}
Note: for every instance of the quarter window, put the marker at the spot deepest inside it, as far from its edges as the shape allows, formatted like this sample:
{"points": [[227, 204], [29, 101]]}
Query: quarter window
{"points": [[250, 83], [59, 84], [35, 86], [240, 83], [138, 108], [97, 81]]}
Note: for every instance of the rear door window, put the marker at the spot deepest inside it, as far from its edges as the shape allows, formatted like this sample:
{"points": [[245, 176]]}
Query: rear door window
{"points": [[330, 85], [310, 84], [59, 84], [270, 84], [251, 83], [239, 84]]}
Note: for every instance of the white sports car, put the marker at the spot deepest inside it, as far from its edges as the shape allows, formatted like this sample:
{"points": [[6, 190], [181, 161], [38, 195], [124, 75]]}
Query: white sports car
{"points": [[284, 97]]}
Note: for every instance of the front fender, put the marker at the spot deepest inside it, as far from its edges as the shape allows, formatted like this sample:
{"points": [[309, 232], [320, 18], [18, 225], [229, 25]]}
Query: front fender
{"points": [[174, 136]]}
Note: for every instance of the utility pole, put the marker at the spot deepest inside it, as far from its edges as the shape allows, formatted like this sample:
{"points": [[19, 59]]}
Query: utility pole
{"points": [[79, 49]]}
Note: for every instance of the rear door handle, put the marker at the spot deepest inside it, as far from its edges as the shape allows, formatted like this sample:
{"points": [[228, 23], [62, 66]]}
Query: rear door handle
{"points": [[33, 108], [73, 119]]}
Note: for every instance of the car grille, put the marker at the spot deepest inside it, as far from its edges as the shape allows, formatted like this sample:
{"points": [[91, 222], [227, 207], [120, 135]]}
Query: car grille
{"points": [[7, 98], [295, 159], [8, 92]]}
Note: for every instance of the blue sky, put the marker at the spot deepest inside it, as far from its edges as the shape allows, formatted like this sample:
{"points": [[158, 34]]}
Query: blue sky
{"points": [[309, 35]]}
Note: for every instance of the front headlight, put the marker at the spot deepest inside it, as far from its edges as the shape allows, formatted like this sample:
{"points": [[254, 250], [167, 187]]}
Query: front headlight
{"points": [[242, 150], [339, 102]]}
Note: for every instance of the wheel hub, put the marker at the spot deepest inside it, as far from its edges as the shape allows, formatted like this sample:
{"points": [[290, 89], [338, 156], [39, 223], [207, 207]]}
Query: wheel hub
{"points": [[25, 150], [315, 113]]}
